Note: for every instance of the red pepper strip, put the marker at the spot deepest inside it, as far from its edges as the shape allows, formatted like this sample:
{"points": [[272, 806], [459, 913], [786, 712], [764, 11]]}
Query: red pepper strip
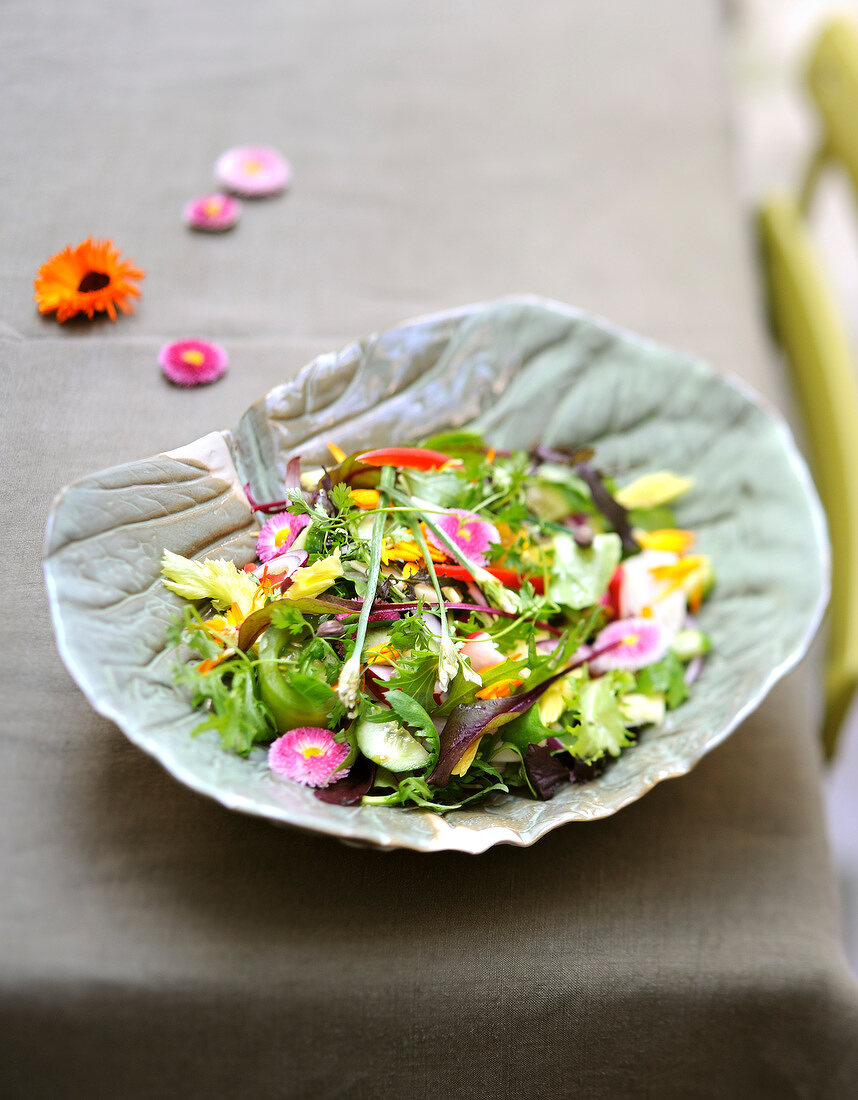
{"points": [[509, 577], [412, 458], [614, 587]]}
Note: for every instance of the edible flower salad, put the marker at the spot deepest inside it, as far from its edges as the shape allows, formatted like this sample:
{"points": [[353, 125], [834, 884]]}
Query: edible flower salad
{"points": [[427, 625]]}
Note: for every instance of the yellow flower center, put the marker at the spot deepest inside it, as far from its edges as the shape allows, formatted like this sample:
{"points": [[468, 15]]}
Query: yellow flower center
{"points": [[212, 207], [282, 535], [253, 167], [193, 356], [311, 750], [631, 640]]}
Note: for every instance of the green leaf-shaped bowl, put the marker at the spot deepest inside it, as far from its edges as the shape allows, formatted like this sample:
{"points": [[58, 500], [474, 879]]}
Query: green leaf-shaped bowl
{"points": [[524, 371]]}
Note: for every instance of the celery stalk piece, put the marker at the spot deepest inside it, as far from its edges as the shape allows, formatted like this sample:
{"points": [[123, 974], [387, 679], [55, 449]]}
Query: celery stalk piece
{"points": [[349, 686]]}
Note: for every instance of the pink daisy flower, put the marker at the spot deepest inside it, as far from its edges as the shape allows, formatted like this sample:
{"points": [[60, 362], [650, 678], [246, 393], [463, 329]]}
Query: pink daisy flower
{"points": [[635, 643], [308, 755], [253, 170], [193, 362], [212, 213], [278, 534], [472, 535]]}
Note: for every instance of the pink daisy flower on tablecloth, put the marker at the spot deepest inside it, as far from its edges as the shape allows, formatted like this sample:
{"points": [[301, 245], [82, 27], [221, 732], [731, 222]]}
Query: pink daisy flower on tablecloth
{"points": [[253, 170], [635, 642], [472, 535], [193, 362], [308, 755], [212, 213], [278, 534]]}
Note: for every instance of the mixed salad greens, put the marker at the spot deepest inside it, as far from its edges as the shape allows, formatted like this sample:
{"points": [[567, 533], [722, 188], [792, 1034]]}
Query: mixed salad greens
{"points": [[426, 625]]}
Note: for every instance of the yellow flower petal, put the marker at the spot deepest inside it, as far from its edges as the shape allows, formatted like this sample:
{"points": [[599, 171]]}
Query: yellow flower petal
{"points": [[313, 579], [671, 539], [217, 580], [553, 702], [364, 498], [467, 759], [400, 551], [693, 574], [651, 490], [381, 654]]}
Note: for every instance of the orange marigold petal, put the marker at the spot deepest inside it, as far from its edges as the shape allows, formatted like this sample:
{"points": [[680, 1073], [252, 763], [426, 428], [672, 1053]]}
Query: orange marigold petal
{"points": [[500, 690]]}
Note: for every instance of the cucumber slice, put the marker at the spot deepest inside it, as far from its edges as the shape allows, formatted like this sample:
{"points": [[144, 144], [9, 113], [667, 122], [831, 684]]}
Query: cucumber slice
{"points": [[688, 644], [642, 710], [387, 743]]}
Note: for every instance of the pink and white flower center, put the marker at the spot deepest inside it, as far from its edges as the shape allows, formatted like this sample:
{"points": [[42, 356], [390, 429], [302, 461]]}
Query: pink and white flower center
{"points": [[630, 644], [470, 534], [278, 534], [308, 755]]}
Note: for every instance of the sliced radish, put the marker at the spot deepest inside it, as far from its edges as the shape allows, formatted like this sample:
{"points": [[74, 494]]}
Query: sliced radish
{"points": [[481, 651], [641, 594], [284, 565]]}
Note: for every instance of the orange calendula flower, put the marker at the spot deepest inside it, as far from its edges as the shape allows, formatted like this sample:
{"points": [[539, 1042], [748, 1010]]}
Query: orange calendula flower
{"points": [[89, 278]]}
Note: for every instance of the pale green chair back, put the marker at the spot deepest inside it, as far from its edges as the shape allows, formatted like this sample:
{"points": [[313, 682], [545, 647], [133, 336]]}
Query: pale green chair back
{"points": [[808, 325]]}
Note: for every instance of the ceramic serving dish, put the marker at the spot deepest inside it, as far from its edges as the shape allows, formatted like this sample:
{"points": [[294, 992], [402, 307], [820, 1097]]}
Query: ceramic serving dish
{"points": [[524, 371]]}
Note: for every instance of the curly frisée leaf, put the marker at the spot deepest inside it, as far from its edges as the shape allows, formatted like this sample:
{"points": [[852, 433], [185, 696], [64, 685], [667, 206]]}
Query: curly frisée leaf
{"points": [[602, 729], [239, 718]]}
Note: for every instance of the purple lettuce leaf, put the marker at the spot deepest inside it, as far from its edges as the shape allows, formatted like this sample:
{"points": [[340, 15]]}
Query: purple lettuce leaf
{"points": [[616, 515], [545, 771], [257, 623], [468, 721], [351, 789], [566, 455]]}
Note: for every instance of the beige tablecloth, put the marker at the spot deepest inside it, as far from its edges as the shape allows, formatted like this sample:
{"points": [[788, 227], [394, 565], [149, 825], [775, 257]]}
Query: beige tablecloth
{"points": [[153, 944]]}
